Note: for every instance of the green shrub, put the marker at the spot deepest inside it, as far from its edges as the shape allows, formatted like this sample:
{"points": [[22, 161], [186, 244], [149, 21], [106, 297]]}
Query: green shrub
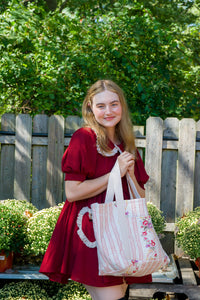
{"points": [[40, 228], [187, 233], [22, 206], [23, 290], [12, 229], [72, 291], [43, 290], [157, 219]]}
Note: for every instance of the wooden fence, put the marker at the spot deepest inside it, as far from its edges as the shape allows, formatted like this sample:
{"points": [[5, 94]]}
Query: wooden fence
{"points": [[31, 152]]}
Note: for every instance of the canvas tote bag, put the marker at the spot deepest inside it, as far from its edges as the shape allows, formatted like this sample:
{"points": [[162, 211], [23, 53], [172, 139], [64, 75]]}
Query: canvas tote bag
{"points": [[127, 244]]}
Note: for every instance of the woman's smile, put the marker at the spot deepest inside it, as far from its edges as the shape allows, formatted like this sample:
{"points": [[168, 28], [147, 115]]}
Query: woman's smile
{"points": [[109, 118]]}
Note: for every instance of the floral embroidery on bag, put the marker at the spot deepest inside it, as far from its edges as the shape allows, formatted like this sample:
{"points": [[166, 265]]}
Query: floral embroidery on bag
{"points": [[133, 268], [146, 226], [135, 265]]}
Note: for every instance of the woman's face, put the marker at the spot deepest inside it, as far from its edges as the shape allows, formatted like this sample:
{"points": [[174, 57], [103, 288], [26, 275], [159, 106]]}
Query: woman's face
{"points": [[107, 109]]}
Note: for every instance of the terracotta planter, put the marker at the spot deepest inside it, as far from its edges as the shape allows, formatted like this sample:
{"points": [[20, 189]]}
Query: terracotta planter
{"points": [[197, 262], [5, 261]]}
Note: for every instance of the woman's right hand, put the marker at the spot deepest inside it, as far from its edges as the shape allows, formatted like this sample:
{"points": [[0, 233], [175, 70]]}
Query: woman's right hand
{"points": [[126, 160]]}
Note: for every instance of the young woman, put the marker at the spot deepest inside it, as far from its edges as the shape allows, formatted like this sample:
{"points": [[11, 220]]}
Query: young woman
{"points": [[87, 162]]}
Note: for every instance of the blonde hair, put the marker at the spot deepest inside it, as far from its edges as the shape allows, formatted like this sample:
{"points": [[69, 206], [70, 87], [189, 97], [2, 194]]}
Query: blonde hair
{"points": [[123, 130]]}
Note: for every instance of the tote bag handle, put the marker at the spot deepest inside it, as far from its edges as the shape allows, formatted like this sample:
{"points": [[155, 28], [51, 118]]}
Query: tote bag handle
{"points": [[114, 188], [115, 185], [131, 185]]}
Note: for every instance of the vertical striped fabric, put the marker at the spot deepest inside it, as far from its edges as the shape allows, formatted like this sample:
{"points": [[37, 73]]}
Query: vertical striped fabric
{"points": [[145, 254]]}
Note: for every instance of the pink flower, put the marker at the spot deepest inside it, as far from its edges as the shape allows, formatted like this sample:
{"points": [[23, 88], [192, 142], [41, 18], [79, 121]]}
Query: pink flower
{"points": [[144, 233], [152, 243]]}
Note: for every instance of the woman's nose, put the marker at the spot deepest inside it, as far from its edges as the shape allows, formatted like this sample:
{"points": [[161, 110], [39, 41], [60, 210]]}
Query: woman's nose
{"points": [[108, 109]]}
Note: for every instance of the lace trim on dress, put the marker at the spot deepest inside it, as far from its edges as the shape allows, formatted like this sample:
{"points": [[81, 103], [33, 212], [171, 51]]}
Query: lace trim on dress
{"points": [[110, 153]]}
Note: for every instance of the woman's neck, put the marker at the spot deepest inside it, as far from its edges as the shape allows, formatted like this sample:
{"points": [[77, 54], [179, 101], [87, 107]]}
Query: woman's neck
{"points": [[111, 134]]}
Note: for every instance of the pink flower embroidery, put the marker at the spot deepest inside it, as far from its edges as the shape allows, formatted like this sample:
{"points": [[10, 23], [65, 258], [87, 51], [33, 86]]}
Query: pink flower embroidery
{"points": [[147, 226], [134, 261], [145, 223]]}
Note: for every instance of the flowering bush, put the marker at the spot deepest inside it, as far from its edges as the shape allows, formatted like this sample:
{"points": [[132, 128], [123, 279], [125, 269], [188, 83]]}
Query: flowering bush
{"points": [[72, 291], [43, 290], [40, 228], [23, 290], [187, 233], [39, 290], [12, 229], [21, 206], [157, 219]]}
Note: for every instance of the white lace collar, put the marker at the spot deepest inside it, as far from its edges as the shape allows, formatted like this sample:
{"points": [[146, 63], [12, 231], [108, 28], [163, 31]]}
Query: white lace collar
{"points": [[110, 153], [104, 153]]}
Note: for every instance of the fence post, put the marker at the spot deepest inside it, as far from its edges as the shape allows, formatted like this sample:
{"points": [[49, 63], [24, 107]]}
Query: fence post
{"points": [[23, 140], [55, 152], [153, 158]]}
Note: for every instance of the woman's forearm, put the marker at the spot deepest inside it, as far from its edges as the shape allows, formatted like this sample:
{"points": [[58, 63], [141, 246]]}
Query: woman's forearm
{"points": [[77, 190]]}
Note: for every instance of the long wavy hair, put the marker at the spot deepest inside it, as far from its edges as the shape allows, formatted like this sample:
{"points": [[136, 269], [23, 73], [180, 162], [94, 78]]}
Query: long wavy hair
{"points": [[123, 130]]}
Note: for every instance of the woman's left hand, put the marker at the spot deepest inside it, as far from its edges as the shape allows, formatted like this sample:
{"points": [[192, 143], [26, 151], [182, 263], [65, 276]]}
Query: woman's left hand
{"points": [[126, 163]]}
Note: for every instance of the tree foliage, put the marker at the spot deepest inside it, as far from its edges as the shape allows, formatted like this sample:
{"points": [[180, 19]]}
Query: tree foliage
{"points": [[50, 58]]}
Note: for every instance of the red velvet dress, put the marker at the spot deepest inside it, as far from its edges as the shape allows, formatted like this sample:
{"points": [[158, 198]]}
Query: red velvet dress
{"points": [[67, 256]]}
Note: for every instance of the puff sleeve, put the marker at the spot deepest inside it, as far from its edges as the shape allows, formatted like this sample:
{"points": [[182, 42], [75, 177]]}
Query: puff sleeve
{"points": [[79, 160]]}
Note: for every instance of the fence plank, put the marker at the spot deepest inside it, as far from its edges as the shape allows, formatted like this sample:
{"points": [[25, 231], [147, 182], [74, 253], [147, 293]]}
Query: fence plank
{"points": [[197, 172], [40, 125], [23, 157], [168, 181], [55, 153], [72, 123], [139, 131], [169, 168], [153, 158], [186, 161], [7, 160]]}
